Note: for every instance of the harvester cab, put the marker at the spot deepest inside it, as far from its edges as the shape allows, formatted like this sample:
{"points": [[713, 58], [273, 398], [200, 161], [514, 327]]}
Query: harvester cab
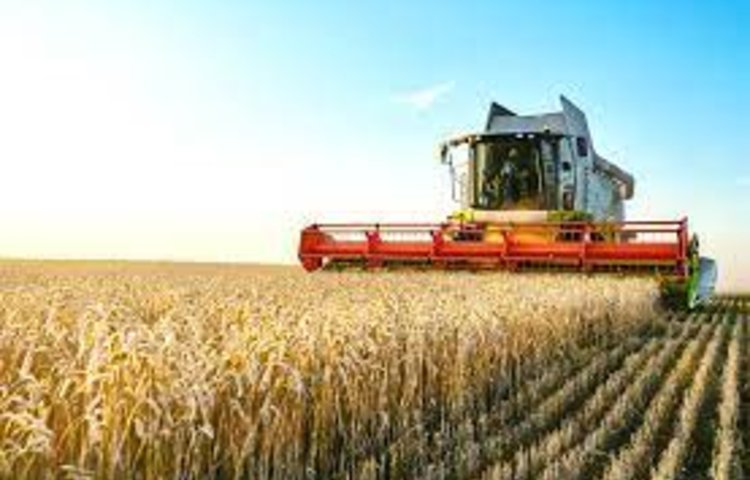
{"points": [[535, 168], [533, 195]]}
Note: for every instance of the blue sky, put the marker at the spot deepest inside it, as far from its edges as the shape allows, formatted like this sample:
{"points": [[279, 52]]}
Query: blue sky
{"points": [[215, 130]]}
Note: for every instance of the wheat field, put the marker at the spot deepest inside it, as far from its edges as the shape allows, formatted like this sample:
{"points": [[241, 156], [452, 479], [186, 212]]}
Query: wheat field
{"points": [[138, 370]]}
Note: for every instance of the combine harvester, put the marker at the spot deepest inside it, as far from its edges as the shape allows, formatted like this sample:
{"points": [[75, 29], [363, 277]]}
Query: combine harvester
{"points": [[534, 196]]}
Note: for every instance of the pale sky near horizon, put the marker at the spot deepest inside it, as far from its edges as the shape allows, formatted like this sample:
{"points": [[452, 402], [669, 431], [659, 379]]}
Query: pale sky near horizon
{"points": [[216, 130]]}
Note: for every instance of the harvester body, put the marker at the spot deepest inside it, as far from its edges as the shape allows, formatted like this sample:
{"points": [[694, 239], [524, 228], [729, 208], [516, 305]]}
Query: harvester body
{"points": [[533, 195]]}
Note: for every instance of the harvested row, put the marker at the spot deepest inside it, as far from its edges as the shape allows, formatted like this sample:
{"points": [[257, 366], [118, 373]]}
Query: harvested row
{"points": [[529, 461], [636, 459], [623, 418], [511, 406], [744, 394], [673, 459], [652, 415], [726, 463], [567, 398], [472, 443]]}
